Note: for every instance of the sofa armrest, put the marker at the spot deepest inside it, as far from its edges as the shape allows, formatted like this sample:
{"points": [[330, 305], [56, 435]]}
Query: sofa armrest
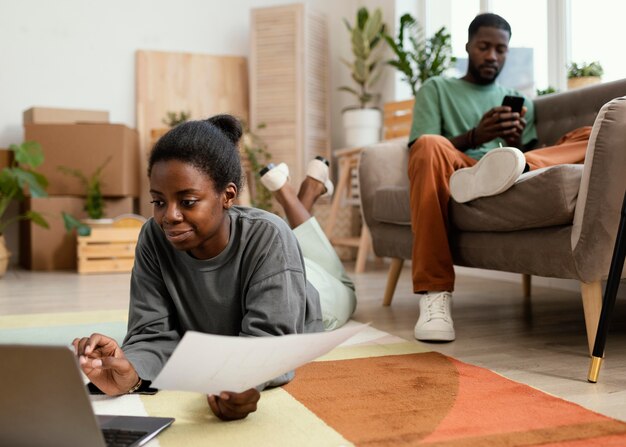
{"points": [[601, 193], [382, 165], [559, 113]]}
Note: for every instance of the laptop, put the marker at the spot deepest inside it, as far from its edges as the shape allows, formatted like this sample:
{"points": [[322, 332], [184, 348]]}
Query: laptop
{"points": [[44, 402]]}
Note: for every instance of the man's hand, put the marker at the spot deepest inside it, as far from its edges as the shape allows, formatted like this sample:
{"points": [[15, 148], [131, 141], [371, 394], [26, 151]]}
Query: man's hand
{"points": [[230, 406], [500, 122], [105, 364]]}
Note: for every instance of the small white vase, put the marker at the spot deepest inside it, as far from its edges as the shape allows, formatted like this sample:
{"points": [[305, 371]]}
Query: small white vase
{"points": [[362, 126]]}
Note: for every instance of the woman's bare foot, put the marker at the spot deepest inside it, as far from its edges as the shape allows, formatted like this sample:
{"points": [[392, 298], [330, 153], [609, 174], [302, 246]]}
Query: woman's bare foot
{"points": [[310, 191]]}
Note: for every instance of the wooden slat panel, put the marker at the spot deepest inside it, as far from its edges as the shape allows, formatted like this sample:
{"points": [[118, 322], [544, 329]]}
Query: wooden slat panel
{"points": [[289, 84], [201, 84]]}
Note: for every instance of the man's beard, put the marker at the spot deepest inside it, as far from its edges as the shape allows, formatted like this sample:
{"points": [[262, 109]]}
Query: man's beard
{"points": [[477, 75]]}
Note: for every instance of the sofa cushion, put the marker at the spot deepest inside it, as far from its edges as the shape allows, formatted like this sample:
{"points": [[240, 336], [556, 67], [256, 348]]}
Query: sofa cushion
{"points": [[541, 198], [391, 205]]}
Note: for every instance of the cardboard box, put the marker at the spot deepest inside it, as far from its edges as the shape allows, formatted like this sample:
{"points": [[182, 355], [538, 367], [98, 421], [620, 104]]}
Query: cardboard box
{"points": [[49, 115], [55, 248], [86, 147]]}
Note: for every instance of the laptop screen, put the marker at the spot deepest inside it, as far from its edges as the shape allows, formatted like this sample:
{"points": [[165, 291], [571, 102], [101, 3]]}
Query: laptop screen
{"points": [[44, 401]]}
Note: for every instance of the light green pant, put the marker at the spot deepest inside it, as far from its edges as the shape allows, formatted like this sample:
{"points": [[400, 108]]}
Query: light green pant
{"points": [[325, 272]]}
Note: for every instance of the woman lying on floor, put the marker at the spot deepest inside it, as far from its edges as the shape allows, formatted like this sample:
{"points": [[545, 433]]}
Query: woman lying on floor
{"points": [[206, 265]]}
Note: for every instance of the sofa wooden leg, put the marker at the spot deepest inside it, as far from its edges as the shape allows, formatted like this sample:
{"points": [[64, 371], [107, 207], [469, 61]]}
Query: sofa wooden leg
{"points": [[526, 285], [392, 280], [592, 306]]}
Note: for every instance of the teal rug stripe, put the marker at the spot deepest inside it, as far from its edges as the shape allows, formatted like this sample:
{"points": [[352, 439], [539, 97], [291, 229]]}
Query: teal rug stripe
{"points": [[61, 335]]}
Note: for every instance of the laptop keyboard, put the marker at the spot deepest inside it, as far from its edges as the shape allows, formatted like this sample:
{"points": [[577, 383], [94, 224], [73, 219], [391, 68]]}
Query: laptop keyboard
{"points": [[121, 438]]}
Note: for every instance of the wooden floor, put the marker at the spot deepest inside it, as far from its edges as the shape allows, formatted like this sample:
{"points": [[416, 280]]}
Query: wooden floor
{"points": [[542, 344]]}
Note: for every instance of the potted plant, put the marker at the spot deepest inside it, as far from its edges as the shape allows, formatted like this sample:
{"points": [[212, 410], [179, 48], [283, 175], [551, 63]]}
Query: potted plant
{"points": [[94, 201], [363, 123], [546, 91], [14, 179], [171, 119], [418, 58], [579, 75]]}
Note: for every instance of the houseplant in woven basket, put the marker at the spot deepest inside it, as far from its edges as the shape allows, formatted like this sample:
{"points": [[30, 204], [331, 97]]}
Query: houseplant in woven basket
{"points": [[363, 123], [580, 75], [20, 176]]}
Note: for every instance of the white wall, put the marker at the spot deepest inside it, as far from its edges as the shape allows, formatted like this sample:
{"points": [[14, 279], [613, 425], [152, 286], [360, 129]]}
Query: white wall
{"points": [[80, 54]]}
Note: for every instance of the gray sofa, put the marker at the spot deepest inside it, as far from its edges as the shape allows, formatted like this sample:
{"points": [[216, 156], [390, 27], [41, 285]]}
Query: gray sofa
{"points": [[557, 222]]}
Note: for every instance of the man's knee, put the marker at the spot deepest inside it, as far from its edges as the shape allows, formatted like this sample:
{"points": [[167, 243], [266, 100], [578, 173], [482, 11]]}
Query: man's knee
{"points": [[428, 142], [427, 151]]}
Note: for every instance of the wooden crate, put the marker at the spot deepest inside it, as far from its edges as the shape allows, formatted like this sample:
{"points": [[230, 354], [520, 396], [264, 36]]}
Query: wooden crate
{"points": [[107, 250]]}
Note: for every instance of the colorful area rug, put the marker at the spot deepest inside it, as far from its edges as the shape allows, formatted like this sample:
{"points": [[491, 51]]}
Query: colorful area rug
{"points": [[376, 391], [433, 400]]}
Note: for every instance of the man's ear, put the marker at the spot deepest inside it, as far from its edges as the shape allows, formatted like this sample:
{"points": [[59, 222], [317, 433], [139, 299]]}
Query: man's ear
{"points": [[229, 195], [467, 47]]}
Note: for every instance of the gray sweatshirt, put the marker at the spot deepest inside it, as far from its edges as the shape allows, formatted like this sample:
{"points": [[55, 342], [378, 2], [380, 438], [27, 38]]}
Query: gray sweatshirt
{"points": [[255, 287]]}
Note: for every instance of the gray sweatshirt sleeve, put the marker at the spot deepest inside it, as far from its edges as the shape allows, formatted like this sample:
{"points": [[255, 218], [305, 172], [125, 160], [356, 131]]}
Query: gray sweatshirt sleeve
{"points": [[152, 327]]}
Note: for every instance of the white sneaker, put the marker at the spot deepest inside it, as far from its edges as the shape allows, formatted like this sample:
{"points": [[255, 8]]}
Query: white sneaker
{"points": [[435, 320], [318, 168], [274, 177], [496, 172]]}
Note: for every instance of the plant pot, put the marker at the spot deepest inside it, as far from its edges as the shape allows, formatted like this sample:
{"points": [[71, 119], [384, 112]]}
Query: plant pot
{"points": [[573, 83], [5, 254], [97, 222], [362, 126]]}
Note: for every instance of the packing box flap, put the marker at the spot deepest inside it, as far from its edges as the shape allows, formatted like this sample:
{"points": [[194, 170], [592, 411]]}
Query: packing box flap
{"points": [[50, 115]]}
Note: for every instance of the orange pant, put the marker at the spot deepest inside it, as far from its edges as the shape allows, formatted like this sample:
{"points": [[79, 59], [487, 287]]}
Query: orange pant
{"points": [[432, 160]]}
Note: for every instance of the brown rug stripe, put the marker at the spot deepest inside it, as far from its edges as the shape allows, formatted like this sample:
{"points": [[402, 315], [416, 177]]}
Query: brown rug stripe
{"points": [[430, 399], [390, 400]]}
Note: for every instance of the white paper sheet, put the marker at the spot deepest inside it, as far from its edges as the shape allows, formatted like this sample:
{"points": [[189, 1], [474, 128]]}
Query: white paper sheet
{"points": [[211, 364]]}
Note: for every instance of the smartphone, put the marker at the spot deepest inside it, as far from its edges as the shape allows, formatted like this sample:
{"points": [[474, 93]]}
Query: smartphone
{"points": [[92, 389], [514, 102]]}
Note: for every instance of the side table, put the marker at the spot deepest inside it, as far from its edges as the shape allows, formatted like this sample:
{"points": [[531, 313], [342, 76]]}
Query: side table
{"points": [[348, 159]]}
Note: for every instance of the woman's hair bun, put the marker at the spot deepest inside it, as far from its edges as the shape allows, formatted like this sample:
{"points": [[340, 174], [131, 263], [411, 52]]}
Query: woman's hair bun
{"points": [[229, 125]]}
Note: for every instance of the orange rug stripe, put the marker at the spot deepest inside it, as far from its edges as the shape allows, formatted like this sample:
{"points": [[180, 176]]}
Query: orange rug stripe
{"points": [[433, 400]]}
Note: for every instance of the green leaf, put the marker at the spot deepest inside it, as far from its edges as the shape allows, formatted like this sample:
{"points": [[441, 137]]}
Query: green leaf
{"points": [[75, 173], [28, 153], [360, 73], [349, 90], [373, 25], [360, 46], [71, 223], [27, 178], [347, 63], [347, 25], [361, 18], [37, 219]]}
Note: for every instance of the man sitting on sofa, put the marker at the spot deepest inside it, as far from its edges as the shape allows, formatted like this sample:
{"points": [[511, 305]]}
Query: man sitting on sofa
{"points": [[459, 126]]}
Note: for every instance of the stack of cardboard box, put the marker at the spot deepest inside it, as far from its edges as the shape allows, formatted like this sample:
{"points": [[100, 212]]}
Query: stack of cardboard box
{"points": [[83, 140]]}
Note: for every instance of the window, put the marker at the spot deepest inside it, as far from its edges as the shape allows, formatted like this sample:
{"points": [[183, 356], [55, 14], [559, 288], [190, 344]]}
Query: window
{"points": [[529, 26], [597, 34]]}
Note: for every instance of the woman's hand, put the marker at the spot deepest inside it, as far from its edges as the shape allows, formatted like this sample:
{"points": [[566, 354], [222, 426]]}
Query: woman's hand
{"points": [[105, 364], [230, 406]]}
